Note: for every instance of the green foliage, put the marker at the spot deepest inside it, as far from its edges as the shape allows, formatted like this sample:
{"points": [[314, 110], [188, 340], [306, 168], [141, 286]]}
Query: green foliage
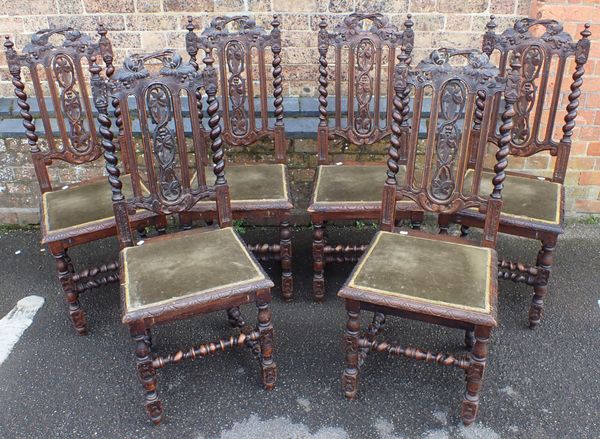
{"points": [[240, 226]]}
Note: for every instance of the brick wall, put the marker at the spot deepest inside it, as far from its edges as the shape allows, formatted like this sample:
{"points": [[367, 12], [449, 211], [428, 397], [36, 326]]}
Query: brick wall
{"points": [[146, 25]]}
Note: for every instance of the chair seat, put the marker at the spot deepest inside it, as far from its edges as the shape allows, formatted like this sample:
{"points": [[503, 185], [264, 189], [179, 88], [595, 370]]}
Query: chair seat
{"points": [[525, 198], [358, 185], [187, 267], [422, 274], [255, 185], [80, 205]]}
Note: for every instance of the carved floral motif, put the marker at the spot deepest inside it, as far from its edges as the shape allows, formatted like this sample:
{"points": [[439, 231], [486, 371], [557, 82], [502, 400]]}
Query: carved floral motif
{"points": [[365, 60], [453, 102], [234, 52], [158, 101], [64, 72]]}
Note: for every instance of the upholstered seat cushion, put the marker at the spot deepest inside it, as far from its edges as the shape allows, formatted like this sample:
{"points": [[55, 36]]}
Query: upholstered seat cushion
{"points": [[425, 270], [185, 264], [256, 182], [524, 197], [350, 184], [81, 204]]}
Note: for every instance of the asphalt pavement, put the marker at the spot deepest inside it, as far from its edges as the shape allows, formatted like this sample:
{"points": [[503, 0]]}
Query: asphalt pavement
{"points": [[539, 384]]}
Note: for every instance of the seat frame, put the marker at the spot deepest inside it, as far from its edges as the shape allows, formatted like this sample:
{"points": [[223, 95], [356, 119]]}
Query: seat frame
{"points": [[553, 43], [349, 33], [170, 191], [77, 144], [443, 194], [231, 46]]}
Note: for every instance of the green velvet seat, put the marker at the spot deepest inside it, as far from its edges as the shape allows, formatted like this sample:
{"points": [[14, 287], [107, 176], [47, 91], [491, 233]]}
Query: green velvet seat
{"points": [[263, 182], [80, 205], [525, 198], [428, 271], [170, 269], [349, 184]]}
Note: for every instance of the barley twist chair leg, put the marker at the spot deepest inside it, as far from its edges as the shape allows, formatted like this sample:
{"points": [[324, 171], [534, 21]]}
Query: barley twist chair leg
{"points": [[540, 288], [65, 270], [351, 338], [265, 329], [318, 262], [475, 372], [147, 373], [285, 243]]}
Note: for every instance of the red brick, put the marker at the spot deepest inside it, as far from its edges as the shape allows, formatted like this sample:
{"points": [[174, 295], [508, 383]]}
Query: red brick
{"points": [[582, 163], [588, 178], [587, 206], [589, 132], [593, 148]]}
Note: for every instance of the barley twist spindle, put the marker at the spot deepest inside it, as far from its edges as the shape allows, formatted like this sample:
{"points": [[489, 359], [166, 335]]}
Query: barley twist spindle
{"points": [[510, 97], [323, 45], [277, 71]]}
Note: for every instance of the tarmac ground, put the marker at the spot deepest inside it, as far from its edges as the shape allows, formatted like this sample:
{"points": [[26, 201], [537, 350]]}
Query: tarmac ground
{"points": [[538, 384]]}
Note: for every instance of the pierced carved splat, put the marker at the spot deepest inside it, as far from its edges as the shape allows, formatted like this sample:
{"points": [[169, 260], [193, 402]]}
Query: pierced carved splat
{"points": [[365, 60], [158, 101], [64, 72], [532, 61], [237, 88], [453, 102]]}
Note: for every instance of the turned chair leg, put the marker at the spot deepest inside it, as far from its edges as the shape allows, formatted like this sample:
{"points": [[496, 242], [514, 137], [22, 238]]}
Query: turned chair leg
{"points": [[464, 231], [475, 372], [443, 224], [285, 244], [416, 219], [469, 339], [235, 318], [65, 270], [147, 373], [161, 225], [351, 338], [544, 263], [141, 230], [265, 328], [318, 247]]}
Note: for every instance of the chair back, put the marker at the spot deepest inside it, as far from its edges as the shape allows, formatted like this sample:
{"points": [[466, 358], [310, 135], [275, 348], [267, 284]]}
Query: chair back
{"points": [[161, 167], [241, 47], [365, 52], [57, 70], [545, 51], [435, 177]]}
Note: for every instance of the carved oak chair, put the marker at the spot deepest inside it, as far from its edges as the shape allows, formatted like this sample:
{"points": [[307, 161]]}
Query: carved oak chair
{"points": [[351, 191], [534, 205], [438, 279], [258, 191], [177, 275], [79, 213]]}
